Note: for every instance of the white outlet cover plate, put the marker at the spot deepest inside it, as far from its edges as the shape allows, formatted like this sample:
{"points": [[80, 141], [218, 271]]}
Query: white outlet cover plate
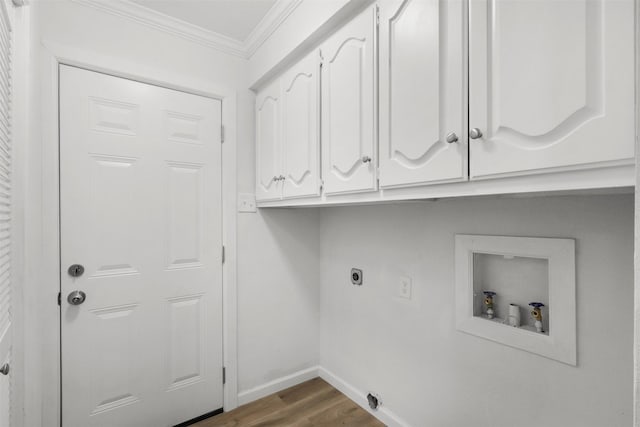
{"points": [[246, 202], [404, 287]]}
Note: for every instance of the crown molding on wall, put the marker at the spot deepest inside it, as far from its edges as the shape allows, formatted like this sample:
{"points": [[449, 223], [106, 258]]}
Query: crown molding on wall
{"points": [[177, 27], [278, 13]]}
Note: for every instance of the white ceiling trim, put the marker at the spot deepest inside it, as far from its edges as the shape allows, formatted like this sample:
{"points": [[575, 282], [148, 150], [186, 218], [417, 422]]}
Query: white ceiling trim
{"points": [[274, 17], [177, 27]]}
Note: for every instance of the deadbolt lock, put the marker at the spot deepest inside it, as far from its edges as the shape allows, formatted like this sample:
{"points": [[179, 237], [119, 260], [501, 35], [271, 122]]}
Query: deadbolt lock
{"points": [[76, 270]]}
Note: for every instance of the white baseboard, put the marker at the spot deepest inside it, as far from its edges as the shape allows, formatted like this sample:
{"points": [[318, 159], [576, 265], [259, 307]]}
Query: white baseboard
{"points": [[277, 385], [384, 414]]}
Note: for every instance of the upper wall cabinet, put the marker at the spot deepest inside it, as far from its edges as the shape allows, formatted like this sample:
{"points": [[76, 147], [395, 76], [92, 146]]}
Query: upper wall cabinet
{"points": [[422, 129], [551, 85], [427, 99], [268, 163], [287, 134], [348, 109]]}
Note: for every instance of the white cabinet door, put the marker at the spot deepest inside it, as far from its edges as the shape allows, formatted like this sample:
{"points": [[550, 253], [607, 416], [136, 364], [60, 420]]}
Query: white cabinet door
{"points": [[300, 133], [421, 82], [551, 85], [348, 109], [268, 161]]}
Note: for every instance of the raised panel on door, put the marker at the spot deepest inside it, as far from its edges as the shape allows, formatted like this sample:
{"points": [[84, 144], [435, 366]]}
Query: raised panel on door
{"points": [[268, 159], [551, 85], [421, 87], [349, 155], [300, 132]]}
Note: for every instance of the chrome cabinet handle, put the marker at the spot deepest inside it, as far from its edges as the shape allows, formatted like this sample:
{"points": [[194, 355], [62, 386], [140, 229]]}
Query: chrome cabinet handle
{"points": [[475, 133], [366, 159], [4, 369], [451, 137]]}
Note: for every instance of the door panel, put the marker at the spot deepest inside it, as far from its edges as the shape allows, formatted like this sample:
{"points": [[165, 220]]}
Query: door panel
{"points": [[421, 81], [300, 131], [348, 109], [541, 84], [141, 211], [268, 159]]}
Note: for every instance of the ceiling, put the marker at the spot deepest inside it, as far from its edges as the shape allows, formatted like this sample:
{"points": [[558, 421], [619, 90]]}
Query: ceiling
{"points": [[231, 18]]}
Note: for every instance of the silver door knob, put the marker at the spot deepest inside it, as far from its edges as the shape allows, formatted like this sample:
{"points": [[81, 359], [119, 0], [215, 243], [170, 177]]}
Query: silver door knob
{"points": [[451, 137], [475, 133], [366, 159], [76, 297], [4, 369]]}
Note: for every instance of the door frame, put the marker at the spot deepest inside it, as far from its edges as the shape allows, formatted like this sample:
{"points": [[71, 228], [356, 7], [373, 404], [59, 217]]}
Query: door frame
{"points": [[47, 255]]}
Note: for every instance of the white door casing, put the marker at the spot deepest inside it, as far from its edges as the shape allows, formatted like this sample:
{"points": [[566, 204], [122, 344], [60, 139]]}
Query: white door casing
{"points": [[300, 128], [421, 92], [550, 85], [268, 160], [7, 291], [140, 205], [349, 157]]}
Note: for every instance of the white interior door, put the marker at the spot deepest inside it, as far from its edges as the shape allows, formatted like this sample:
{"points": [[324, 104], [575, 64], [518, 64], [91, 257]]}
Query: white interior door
{"points": [[300, 130], [349, 157], [140, 182], [269, 174], [421, 82], [550, 84]]}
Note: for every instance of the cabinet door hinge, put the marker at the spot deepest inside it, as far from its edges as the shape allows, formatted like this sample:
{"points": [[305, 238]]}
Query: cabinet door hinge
{"points": [[59, 298], [222, 134], [224, 375], [224, 257]]}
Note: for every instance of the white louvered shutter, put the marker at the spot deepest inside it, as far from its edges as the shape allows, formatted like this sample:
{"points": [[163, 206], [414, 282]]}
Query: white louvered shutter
{"points": [[6, 9]]}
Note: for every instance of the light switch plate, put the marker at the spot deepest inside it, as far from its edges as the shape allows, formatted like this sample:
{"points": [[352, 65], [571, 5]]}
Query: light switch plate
{"points": [[246, 202]]}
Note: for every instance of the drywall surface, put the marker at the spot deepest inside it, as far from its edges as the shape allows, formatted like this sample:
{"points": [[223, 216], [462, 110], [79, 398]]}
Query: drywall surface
{"points": [[279, 294], [74, 25], [428, 373]]}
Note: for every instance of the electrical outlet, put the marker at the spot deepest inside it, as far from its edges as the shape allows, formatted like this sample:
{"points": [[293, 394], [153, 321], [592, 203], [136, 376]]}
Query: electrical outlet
{"points": [[404, 287], [356, 276], [246, 202]]}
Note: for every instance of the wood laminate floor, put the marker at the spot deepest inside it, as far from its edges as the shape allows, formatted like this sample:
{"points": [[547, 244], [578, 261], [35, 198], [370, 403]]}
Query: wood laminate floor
{"points": [[313, 403]]}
